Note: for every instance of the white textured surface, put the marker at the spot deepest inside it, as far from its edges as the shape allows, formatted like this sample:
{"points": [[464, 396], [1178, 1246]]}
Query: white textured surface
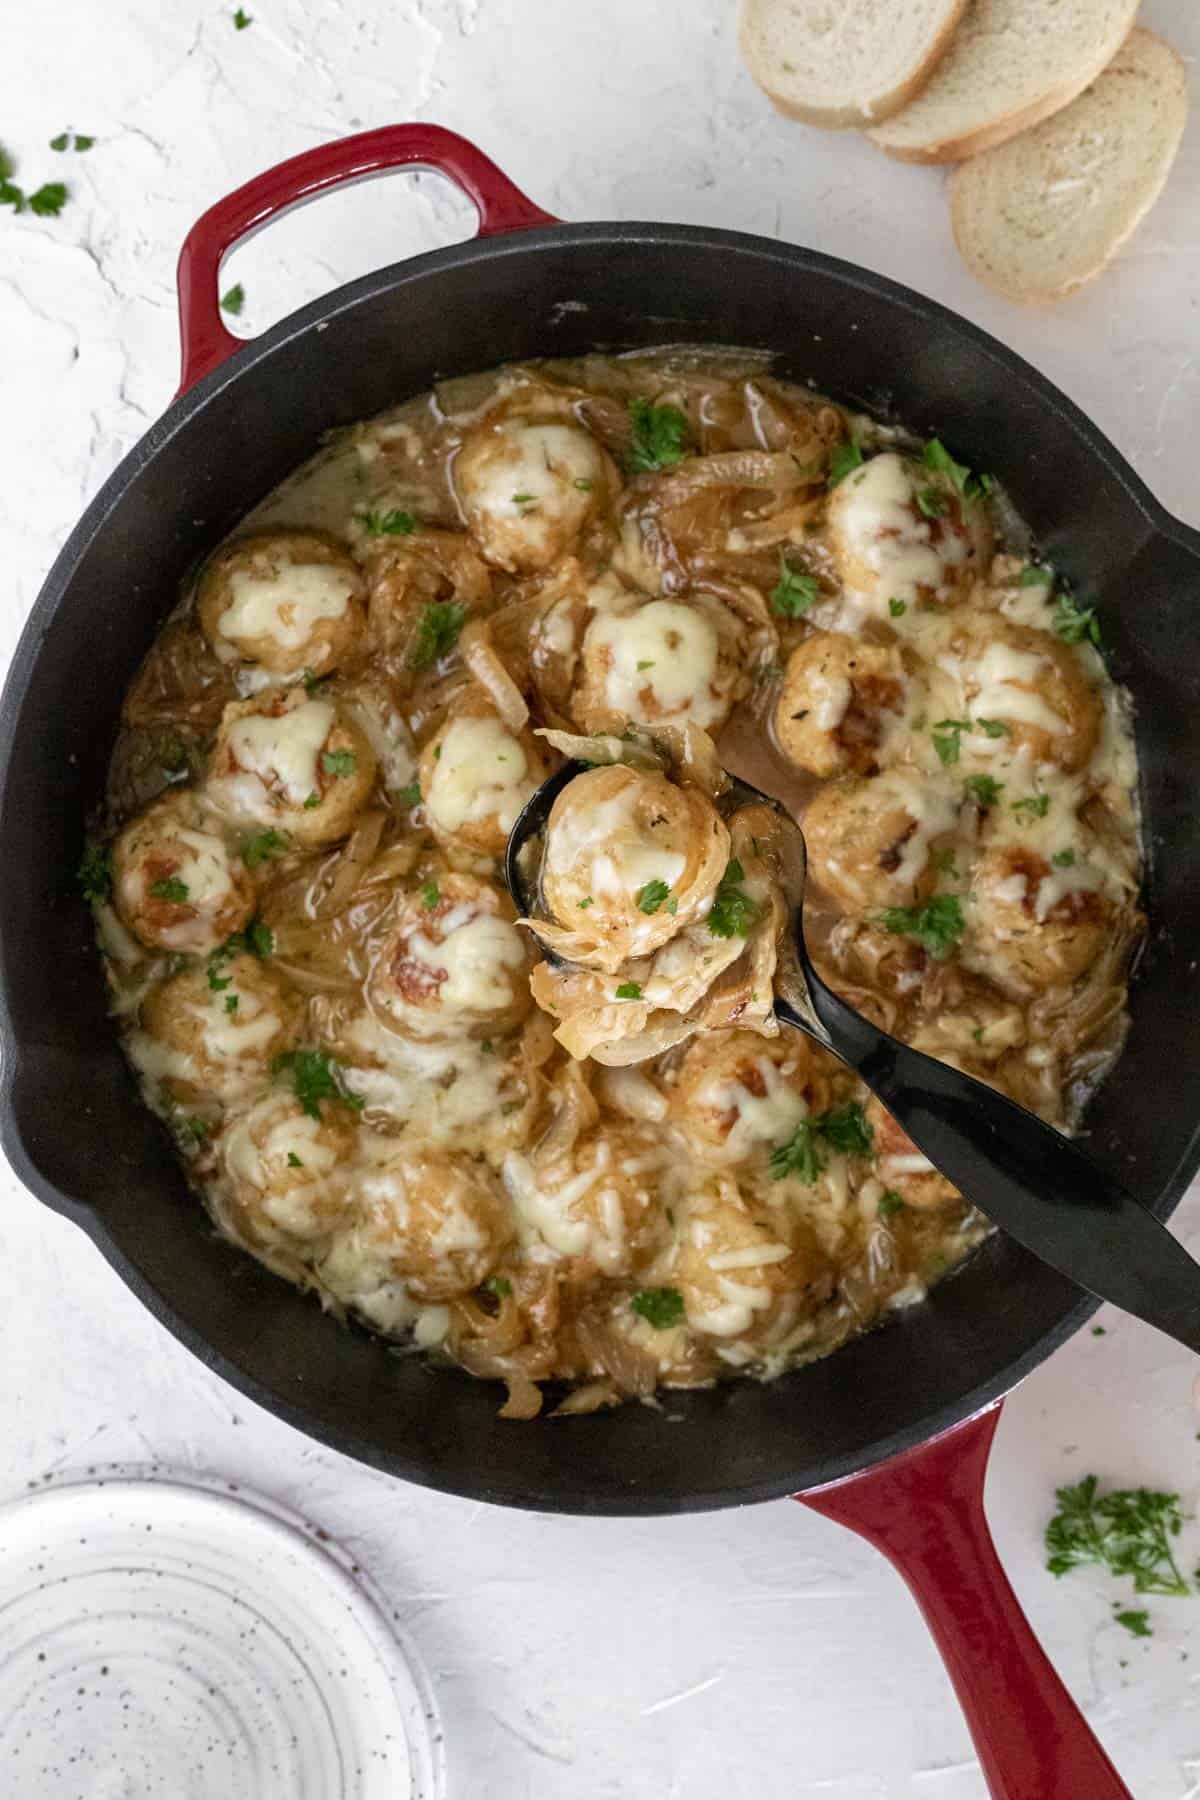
{"points": [[765, 1652]]}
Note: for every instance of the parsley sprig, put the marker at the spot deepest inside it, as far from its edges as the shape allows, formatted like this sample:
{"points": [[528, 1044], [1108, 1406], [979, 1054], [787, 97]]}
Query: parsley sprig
{"points": [[651, 896], [1076, 624], [970, 487], [794, 595], [437, 633], [660, 435], [733, 910], [316, 1077], [936, 924], [661, 1307], [1127, 1531], [843, 1128]]}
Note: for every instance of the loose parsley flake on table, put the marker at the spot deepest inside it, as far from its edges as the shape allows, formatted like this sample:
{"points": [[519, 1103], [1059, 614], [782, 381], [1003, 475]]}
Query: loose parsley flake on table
{"points": [[1127, 1531], [233, 301]]}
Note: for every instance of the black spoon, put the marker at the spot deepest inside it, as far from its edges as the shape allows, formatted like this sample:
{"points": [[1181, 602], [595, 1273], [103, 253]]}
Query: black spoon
{"points": [[1025, 1176]]}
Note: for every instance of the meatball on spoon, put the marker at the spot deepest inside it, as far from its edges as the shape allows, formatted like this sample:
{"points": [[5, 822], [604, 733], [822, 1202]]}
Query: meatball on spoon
{"points": [[1028, 1178]]}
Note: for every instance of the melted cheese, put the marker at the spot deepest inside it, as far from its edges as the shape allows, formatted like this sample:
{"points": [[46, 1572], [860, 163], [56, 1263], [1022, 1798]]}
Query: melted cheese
{"points": [[605, 852], [768, 1118], [665, 650], [283, 751], [1005, 683], [478, 958], [286, 606], [204, 869], [881, 534], [258, 1156], [527, 481], [482, 773]]}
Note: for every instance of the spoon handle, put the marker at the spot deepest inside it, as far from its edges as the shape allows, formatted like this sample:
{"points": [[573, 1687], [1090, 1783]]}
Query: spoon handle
{"points": [[1029, 1179]]}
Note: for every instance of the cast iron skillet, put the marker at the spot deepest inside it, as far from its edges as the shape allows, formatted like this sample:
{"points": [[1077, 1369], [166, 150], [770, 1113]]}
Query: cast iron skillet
{"points": [[70, 1118]]}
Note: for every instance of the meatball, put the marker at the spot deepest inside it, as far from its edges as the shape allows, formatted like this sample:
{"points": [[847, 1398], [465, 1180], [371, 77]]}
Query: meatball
{"points": [[600, 1203], [900, 531], [901, 1166], [215, 1030], [527, 488], [175, 884], [746, 1271], [1036, 686], [454, 963], [871, 841], [285, 1172], [630, 859], [739, 1093], [833, 709], [293, 763], [660, 663], [475, 777], [441, 1222], [288, 601], [1031, 926]]}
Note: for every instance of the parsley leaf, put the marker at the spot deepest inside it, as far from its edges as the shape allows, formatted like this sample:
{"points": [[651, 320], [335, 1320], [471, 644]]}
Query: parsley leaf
{"points": [[431, 893], [993, 728], [661, 1307], [897, 608], [61, 141], [651, 897], [316, 1077], [410, 795], [314, 684], [437, 633], [233, 301], [793, 595], [932, 504], [95, 873], [1036, 575], [339, 762], [799, 1156], [294, 1161], [83, 142], [259, 939], [1036, 805], [889, 1203], [585, 903], [971, 487], [499, 1285], [847, 456], [1137, 1624], [396, 523], [263, 846], [936, 924], [11, 194], [985, 790], [241, 19], [1128, 1531], [170, 889], [660, 435], [733, 911], [49, 199], [189, 1132], [1076, 624], [231, 1003], [847, 1128], [1063, 859], [947, 734], [629, 990]]}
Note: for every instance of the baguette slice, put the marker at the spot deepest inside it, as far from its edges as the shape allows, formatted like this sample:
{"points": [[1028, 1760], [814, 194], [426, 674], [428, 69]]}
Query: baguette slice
{"points": [[1038, 217], [841, 63], [1012, 63]]}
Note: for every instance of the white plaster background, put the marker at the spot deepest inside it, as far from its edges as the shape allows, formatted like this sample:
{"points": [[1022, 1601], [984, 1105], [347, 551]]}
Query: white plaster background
{"points": [[765, 1652]]}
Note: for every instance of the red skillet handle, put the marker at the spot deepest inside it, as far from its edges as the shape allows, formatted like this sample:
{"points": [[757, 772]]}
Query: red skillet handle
{"points": [[501, 207], [925, 1512]]}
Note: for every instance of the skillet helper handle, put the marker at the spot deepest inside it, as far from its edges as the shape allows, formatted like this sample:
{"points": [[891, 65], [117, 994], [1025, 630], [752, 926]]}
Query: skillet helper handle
{"points": [[501, 207], [924, 1511], [1029, 1179]]}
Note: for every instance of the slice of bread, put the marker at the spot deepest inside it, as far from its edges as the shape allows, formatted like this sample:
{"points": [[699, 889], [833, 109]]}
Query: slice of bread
{"points": [[1011, 64], [841, 63], [1039, 216]]}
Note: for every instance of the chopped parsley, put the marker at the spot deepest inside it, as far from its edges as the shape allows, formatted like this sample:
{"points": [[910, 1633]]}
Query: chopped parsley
{"points": [[395, 523], [585, 903], [316, 1077], [847, 456], [799, 1156], [889, 1203], [233, 301], [661, 1307], [583, 483], [1137, 1624], [258, 939], [189, 1132], [95, 873], [1063, 859], [314, 799], [793, 595], [947, 734], [936, 924], [263, 846], [985, 790], [431, 893], [294, 1161], [524, 499], [897, 608], [170, 889], [1127, 1531], [1036, 575], [339, 762], [410, 795], [67, 140], [660, 436], [647, 662], [241, 19], [651, 897], [944, 863], [314, 684], [231, 1003], [499, 1285], [629, 990], [971, 487], [49, 199], [1076, 624], [846, 1128], [931, 503], [843, 1128], [1036, 805], [993, 728], [437, 632], [733, 911]]}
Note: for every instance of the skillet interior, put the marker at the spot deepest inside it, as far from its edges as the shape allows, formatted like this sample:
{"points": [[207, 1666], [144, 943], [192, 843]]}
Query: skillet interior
{"points": [[72, 1122]]}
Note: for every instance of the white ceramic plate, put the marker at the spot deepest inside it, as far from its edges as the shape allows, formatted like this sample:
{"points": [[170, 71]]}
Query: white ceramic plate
{"points": [[161, 1640]]}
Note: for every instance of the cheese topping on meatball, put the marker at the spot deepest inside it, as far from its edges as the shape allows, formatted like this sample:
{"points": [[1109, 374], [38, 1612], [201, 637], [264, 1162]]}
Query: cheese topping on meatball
{"points": [[482, 770], [663, 661], [286, 607], [282, 751]]}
